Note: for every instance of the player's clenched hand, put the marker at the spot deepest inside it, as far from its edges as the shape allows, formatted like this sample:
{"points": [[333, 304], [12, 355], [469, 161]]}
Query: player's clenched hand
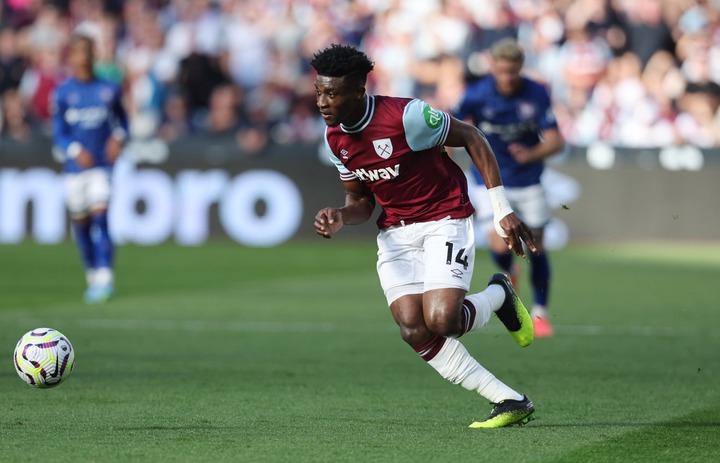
{"points": [[328, 221], [113, 148], [517, 232], [84, 159]]}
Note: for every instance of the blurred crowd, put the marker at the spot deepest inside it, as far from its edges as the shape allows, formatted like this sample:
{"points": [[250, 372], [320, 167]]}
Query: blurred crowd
{"points": [[632, 73]]}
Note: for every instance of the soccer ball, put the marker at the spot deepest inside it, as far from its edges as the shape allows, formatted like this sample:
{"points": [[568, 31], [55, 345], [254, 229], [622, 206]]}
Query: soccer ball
{"points": [[44, 358]]}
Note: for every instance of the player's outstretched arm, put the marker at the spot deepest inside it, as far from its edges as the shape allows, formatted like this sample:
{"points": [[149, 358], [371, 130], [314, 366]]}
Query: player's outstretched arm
{"points": [[507, 224], [464, 135], [358, 208]]}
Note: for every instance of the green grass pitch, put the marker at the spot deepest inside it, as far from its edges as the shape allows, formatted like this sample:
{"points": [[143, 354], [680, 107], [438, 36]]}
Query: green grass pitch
{"points": [[222, 353]]}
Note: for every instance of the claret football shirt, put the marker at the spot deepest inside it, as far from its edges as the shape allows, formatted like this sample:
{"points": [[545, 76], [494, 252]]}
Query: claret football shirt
{"points": [[397, 150]]}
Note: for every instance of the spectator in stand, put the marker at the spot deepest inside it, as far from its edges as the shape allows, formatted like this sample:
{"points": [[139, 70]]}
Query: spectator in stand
{"points": [[302, 126], [646, 29], [12, 64], [493, 21], [175, 124], [541, 34], [583, 59], [19, 13], [46, 38], [635, 112], [247, 34], [106, 65], [602, 22], [262, 49], [15, 121], [144, 36], [222, 117], [199, 75], [437, 48], [698, 122], [390, 42]]}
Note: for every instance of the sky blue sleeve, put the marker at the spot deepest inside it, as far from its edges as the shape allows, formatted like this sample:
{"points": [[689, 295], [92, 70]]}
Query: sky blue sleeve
{"points": [[425, 127]]}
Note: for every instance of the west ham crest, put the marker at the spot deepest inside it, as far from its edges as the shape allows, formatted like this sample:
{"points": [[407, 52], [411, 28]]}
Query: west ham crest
{"points": [[383, 147]]}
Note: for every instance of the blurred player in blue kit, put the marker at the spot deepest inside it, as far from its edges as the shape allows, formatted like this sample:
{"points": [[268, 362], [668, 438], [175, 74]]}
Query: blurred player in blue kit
{"points": [[515, 114], [89, 130]]}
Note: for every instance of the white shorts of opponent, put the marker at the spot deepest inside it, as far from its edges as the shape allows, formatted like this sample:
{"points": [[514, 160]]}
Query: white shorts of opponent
{"points": [[529, 203], [86, 191], [423, 256]]}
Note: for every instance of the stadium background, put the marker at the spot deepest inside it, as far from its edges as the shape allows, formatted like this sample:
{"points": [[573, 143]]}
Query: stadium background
{"points": [[228, 352], [226, 139]]}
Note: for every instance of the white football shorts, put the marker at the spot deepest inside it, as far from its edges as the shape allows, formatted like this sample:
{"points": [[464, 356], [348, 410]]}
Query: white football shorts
{"points": [[86, 191], [423, 256], [529, 203]]}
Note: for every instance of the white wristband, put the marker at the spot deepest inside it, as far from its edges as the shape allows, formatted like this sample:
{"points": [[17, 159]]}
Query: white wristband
{"points": [[501, 207], [119, 134], [74, 150]]}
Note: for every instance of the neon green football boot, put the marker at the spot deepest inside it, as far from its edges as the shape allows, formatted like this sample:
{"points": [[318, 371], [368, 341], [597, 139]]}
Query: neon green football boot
{"points": [[508, 413], [513, 313]]}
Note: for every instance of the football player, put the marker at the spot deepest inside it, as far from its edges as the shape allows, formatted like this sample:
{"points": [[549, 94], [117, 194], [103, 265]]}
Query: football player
{"points": [[390, 150], [515, 114], [90, 129]]}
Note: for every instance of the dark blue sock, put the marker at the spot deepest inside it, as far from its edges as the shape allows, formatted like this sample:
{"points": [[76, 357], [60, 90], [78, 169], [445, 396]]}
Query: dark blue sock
{"points": [[101, 241], [540, 277], [84, 242], [503, 260]]}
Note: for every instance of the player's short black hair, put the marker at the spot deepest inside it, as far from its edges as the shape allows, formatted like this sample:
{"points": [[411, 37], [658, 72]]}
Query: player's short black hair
{"points": [[342, 61]]}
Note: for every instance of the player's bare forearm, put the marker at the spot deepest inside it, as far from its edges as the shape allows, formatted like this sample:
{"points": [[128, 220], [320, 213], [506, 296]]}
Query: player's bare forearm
{"points": [[84, 159], [330, 220], [358, 208], [467, 136], [359, 203], [113, 148], [551, 143]]}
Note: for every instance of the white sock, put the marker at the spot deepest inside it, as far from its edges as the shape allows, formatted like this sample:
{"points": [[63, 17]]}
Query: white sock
{"points": [[539, 311], [90, 276], [481, 307], [455, 364], [103, 276]]}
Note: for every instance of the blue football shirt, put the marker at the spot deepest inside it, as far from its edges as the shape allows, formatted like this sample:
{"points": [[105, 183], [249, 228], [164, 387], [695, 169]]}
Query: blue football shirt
{"points": [[86, 114], [520, 118]]}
